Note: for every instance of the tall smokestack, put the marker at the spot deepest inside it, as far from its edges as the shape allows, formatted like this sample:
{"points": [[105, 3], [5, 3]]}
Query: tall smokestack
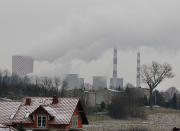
{"points": [[115, 82], [138, 81], [115, 63]]}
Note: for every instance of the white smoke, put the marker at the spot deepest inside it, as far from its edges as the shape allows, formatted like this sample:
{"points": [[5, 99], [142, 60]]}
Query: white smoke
{"points": [[85, 34]]}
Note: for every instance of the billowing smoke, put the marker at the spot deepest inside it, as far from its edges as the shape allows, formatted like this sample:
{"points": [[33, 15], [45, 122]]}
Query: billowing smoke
{"points": [[77, 36], [86, 33]]}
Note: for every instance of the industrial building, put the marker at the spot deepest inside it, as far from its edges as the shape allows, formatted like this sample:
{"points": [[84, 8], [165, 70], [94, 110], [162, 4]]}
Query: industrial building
{"points": [[22, 65], [116, 83], [97, 97], [73, 81], [99, 82]]}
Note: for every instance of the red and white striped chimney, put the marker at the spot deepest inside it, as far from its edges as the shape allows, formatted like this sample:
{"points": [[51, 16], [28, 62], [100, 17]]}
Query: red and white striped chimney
{"points": [[115, 63]]}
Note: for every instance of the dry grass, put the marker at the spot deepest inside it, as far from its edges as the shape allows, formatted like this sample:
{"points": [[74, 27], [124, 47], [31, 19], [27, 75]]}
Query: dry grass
{"points": [[134, 129], [149, 111], [95, 117], [158, 119]]}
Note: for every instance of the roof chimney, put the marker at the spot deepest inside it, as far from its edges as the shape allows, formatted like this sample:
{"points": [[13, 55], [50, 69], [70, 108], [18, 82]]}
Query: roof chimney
{"points": [[28, 101], [55, 100]]}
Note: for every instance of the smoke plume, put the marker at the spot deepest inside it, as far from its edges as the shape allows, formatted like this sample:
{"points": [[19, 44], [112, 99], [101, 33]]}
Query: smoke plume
{"points": [[85, 33]]}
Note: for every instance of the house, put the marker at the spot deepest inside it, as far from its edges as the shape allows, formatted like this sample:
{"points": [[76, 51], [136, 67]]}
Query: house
{"points": [[44, 113]]}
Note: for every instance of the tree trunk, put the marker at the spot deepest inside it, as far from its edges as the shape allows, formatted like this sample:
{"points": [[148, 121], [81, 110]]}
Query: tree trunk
{"points": [[151, 98]]}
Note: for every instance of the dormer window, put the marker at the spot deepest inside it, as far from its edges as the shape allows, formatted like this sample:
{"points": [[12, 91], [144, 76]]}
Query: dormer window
{"points": [[27, 115], [41, 123], [12, 116]]}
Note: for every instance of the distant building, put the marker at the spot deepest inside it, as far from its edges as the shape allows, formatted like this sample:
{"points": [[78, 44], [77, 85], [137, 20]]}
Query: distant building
{"points": [[22, 65], [74, 82], [116, 83], [87, 86], [99, 82], [97, 97], [90, 98]]}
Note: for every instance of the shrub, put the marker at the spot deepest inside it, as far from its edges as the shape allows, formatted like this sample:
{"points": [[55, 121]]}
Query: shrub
{"points": [[127, 105]]}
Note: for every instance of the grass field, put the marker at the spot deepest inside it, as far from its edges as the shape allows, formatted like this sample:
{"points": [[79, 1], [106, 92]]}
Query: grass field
{"points": [[97, 117], [149, 111]]}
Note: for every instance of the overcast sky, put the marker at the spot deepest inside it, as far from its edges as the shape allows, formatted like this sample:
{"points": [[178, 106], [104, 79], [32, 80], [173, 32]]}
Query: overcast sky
{"points": [[78, 36]]}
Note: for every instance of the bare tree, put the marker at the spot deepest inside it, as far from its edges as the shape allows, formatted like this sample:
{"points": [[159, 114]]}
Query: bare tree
{"points": [[63, 88], [47, 85], [57, 82], [154, 74]]}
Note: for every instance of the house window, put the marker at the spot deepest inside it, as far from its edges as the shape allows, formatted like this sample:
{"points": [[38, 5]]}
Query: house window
{"points": [[41, 121], [74, 121]]}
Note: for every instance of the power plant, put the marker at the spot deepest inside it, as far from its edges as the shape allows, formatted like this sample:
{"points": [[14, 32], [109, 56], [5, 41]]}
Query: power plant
{"points": [[115, 82], [73, 81]]}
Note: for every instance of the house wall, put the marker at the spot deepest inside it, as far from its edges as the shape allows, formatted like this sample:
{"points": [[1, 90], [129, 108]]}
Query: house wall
{"points": [[79, 119]]}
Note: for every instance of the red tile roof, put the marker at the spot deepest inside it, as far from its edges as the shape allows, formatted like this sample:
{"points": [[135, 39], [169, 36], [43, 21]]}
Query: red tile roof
{"points": [[6, 109], [62, 111]]}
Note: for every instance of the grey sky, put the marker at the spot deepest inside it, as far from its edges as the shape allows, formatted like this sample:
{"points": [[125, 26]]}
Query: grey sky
{"points": [[78, 36]]}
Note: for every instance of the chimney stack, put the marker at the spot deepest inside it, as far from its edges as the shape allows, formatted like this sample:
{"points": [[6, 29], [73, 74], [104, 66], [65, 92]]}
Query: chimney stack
{"points": [[28, 102], [55, 100], [138, 77], [115, 63]]}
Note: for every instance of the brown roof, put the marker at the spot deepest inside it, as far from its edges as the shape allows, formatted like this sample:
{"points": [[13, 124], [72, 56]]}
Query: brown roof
{"points": [[62, 111], [7, 109]]}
